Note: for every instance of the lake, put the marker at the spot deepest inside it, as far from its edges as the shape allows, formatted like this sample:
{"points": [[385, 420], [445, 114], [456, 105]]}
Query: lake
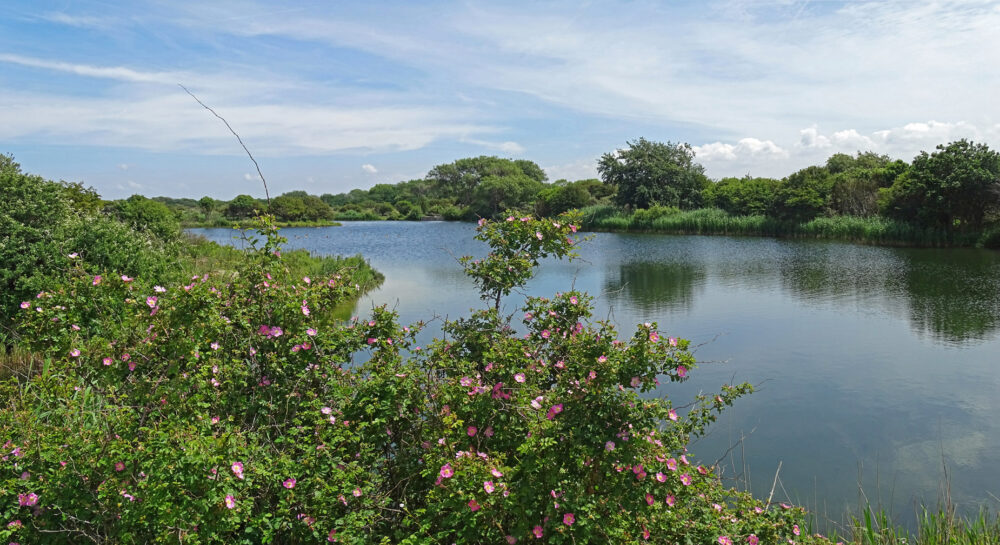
{"points": [[872, 364]]}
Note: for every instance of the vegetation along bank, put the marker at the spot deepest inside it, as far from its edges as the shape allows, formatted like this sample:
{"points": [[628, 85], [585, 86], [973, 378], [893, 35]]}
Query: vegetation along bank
{"points": [[162, 404], [947, 197]]}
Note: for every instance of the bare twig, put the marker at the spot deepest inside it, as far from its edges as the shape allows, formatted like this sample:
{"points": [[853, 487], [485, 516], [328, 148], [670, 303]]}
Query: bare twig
{"points": [[774, 484], [733, 447], [259, 173]]}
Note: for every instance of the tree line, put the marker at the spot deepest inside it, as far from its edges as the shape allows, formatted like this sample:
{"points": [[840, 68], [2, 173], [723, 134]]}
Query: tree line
{"points": [[956, 188]]}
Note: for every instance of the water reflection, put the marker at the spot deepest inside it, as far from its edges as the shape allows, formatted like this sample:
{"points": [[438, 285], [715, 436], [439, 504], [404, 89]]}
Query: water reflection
{"points": [[954, 295], [656, 287], [950, 296]]}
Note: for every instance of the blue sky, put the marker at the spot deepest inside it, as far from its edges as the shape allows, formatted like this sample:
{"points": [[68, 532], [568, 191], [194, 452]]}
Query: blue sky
{"points": [[332, 96]]}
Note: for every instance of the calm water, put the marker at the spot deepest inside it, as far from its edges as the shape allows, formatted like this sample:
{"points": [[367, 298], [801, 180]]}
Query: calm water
{"points": [[872, 363]]}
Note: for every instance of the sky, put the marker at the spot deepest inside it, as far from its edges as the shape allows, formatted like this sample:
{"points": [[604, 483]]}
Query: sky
{"points": [[335, 95]]}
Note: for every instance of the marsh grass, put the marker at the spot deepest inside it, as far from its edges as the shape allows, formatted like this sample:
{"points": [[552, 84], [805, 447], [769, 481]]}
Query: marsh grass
{"points": [[712, 221], [201, 256], [225, 223], [15, 360], [933, 527]]}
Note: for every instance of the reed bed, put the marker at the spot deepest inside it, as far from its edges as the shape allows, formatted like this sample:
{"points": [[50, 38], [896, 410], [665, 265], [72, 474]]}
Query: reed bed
{"points": [[713, 221]]}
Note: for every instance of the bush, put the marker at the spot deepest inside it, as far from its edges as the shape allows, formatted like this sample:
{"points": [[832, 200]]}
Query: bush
{"points": [[352, 215], [990, 238], [595, 216], [147, 215], [643, 219], [454, 213], [48, 227], [231, 409]]}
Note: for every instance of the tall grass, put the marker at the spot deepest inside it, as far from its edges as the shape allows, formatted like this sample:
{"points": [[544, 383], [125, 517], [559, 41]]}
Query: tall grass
{"points": [[712, 221], [201, 256], [939, 527], [226, 223], [15, 360]]}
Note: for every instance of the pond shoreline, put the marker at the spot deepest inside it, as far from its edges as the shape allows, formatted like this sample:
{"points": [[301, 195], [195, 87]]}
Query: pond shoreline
{"points": [[873, 230]]}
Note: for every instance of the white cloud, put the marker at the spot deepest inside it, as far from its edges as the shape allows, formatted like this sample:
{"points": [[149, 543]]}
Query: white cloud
{"points": [[510, 148], [163, 121], [582, 169], [123, 166], [903, 141], [850, 138], [812, 146], [811, 138], [248, 177], [369, 168], [746, 148], [860, 74], [161, 117], [749, 70]]}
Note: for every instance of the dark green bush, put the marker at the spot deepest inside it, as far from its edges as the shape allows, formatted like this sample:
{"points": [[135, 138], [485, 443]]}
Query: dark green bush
{"points": [[231, 409]]}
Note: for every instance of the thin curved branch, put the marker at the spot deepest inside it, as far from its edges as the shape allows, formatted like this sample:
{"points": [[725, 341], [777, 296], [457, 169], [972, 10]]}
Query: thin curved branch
{"points": [[259, 173]]}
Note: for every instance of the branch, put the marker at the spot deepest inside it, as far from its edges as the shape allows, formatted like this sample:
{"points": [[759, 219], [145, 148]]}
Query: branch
{"points": [[259, 173]]}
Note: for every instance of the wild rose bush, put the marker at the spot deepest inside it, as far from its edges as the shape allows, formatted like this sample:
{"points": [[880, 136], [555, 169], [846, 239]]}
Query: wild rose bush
{"points": [[234, 409]]}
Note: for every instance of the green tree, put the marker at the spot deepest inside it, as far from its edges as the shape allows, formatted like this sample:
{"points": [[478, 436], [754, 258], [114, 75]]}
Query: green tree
{"points": [[241, 207], [458, 180], [744, 196], [804, 194], [385, 209], [207, 205], [288, 208], [649, 173], [498, 193], [956, 187], [856, 184], [384, 193], [840, 162], [531, 170], [597, 189], [7, 163], [316, 209], [84, 200], [409, 210], [32, 212], [45, 234], [555, 200], [147, 215]]}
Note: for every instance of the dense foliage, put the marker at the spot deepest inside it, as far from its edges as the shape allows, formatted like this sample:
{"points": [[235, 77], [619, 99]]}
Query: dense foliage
{"points": [[466, 189], [234, 409], [46, 226], [650, 173], [958, 186], [955, 191], [49, 229]]}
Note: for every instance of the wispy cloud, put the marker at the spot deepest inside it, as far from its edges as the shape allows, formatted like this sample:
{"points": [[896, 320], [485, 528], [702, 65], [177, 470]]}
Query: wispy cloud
{"points": [[509, 148], [167, 119], [369, 168], [115, 72], [80, 21], [761, 67], [767, 86]]}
